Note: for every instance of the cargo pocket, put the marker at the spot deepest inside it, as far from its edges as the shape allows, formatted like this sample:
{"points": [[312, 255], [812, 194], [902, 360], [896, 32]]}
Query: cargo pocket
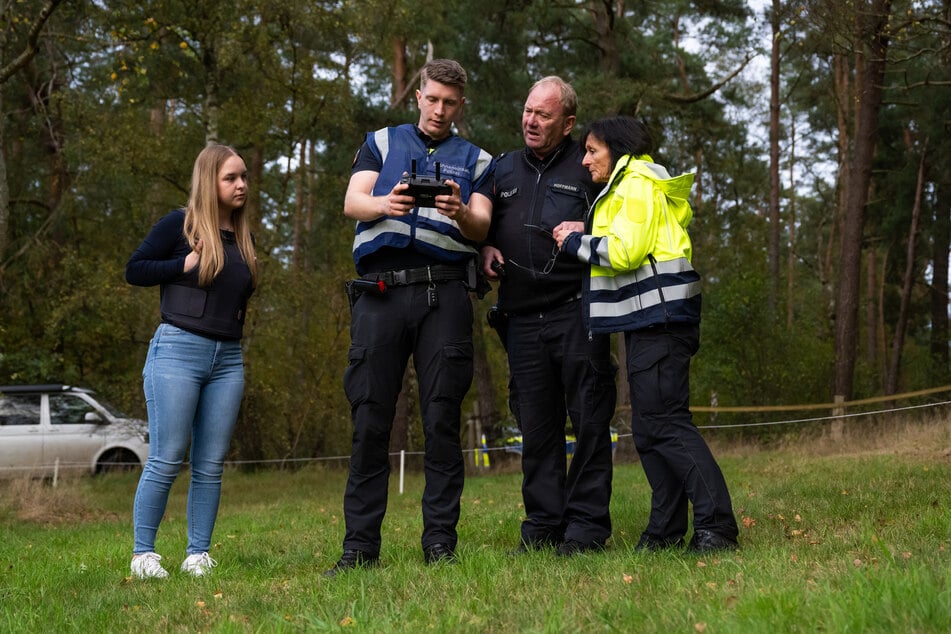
{"points": [[643, 368], [455, 371], [355, 380]]}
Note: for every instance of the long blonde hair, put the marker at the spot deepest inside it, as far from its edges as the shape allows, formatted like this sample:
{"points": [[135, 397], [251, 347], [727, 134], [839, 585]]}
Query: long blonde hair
{"points": [[201, 217]]}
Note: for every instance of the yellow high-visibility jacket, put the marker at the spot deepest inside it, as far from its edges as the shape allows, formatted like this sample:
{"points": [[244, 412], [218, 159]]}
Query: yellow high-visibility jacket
{"points": [[637, 244]]}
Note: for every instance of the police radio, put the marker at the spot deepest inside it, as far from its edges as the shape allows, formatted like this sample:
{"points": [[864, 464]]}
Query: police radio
{"points": [[424, 188]]}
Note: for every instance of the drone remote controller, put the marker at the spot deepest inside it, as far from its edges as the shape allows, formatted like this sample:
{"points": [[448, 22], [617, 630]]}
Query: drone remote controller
{"points": [[424, 188]]}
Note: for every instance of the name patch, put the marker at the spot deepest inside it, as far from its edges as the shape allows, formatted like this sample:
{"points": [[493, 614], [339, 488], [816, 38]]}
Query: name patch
{"points": [[509, 193]]}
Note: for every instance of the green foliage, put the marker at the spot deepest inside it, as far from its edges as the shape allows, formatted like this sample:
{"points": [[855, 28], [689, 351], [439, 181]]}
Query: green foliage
{"points": [[100, 129], [734, 360]]}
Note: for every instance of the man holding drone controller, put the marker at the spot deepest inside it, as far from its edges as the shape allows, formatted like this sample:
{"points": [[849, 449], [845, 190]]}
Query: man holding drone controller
{"points": [[420, 196]]}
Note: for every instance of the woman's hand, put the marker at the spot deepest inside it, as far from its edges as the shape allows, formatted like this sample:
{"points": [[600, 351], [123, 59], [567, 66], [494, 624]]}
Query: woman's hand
{"points": [[192, 259], [562, 231]]}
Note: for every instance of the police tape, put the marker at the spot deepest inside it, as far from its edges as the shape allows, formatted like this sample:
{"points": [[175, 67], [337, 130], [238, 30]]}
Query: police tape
{"points": [[810, 406]]}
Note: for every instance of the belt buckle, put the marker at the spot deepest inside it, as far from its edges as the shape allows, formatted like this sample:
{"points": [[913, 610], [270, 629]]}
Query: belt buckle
{"points": [[399, 278]]}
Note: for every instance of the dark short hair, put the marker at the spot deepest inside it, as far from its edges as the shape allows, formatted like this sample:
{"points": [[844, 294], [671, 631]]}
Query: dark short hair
{"points": [[444, 71], [623, 135]]}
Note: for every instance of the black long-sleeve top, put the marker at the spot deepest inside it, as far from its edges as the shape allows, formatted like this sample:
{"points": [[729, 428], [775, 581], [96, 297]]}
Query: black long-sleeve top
{"points": [[216, 311]]}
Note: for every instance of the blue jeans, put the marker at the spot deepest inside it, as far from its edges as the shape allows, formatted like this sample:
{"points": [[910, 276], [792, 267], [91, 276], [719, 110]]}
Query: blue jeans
{"points": [[193, 387]]}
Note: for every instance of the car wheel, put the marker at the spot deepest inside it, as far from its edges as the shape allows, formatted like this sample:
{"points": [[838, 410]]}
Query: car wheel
{"points": [[117, 460]]}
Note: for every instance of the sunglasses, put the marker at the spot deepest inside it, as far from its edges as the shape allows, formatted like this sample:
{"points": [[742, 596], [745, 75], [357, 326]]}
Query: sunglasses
{"points": [[550, 264]]}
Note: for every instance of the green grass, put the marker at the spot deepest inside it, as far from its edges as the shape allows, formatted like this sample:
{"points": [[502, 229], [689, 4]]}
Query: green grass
{"points": [[834, 540]]}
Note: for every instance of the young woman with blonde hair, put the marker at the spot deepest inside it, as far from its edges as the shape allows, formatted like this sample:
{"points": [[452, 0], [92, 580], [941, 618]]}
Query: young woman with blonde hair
{"points": [[203, 259]]}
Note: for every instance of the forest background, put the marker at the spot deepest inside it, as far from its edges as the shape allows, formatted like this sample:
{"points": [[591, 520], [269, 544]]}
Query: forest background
{"points": [[817, 131]]}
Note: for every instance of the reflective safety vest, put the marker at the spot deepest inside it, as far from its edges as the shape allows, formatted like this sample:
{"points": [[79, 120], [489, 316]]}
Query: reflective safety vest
{"points": [[639, 250], [425, 229]]}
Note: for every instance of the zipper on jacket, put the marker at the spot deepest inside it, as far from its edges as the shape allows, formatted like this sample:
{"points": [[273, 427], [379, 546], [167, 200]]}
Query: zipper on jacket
{"points": [[660, 291]]}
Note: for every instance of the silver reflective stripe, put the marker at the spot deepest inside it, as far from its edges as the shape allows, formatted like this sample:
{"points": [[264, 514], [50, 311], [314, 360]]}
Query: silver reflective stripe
{"points": [[382, 138], [482, 164], [443, 242], [584, 251], [644, 300], [431, 213], [386, 226], [608, 283]]}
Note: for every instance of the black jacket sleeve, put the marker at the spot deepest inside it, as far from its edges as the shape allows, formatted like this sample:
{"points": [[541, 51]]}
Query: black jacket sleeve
{"points": [[160, 258]]}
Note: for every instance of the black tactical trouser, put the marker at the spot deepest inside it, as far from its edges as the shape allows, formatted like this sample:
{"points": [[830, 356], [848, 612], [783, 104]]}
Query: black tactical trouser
{"points": [[676, 459], [385, 330], [556, 371]]}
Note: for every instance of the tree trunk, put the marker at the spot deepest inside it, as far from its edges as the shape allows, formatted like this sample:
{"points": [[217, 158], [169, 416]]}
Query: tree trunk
{"points": [[791, 251], [774, 185], [907, 283], [4, 195], [941, 239], [870, 64], [486, 396], [400, 88], [296, 255], [210, 114], [603, 19], [871, 293]]}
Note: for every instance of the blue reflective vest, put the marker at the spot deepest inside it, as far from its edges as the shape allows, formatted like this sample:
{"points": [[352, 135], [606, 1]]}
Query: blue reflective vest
{"points": [[425, 229]]}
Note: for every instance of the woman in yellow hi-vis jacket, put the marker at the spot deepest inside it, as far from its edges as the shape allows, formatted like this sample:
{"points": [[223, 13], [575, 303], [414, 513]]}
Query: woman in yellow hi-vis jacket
{"points": [[642, 284]]}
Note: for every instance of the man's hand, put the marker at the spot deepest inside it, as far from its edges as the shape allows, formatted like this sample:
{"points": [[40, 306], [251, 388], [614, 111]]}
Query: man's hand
{"points": [[397, 202], [492, 262], [451, 205]]}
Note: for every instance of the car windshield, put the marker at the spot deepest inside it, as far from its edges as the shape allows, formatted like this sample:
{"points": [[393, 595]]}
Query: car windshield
{"points": [[112, 410]]}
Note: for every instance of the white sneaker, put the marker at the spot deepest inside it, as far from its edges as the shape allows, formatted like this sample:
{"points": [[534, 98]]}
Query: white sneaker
{"points": [[147, 566], [198, 564]]}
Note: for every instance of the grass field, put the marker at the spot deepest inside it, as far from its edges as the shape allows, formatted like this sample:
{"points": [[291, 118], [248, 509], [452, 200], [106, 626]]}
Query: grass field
{"points": [[851, 537]]}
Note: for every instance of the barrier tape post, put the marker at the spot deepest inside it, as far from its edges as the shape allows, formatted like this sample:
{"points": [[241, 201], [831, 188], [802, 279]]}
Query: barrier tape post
{"points": [[402, 468]]}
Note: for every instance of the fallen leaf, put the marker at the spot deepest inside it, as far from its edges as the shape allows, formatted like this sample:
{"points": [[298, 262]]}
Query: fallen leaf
{"points": [[700, 627], [749, 522], [700, 564], [906, 555], [199, 603], [857, 563], [347, 621], [218, 595], [797, 517], [628, 578]]}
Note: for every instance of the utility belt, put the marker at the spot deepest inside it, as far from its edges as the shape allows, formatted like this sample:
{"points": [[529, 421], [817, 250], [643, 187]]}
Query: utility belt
{"points": [[378, 283], [425, 274], [499, 320]]}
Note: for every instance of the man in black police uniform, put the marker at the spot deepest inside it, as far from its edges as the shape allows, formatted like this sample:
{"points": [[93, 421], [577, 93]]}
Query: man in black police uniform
{"points": [[556, 368], [415, 259]]}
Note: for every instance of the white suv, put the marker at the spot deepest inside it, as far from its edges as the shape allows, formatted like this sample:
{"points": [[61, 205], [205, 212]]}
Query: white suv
{"points": [[49, 428]]}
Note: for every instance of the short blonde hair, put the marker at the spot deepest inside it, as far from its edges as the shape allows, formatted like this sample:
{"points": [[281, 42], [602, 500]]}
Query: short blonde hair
{"points": [[567, 95]]}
